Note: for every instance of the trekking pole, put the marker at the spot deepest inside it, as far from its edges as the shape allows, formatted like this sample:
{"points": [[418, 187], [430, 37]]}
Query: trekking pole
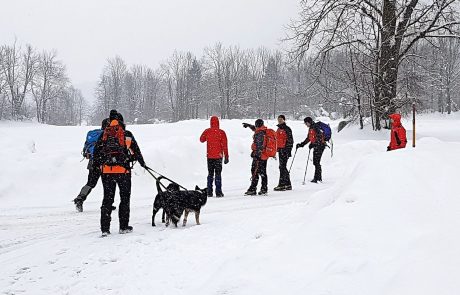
{"points": [[293, 158], [306, 167]]}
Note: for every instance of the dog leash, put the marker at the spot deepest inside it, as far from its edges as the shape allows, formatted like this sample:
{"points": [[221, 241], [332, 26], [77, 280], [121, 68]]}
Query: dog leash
{"points": [[151, 172]]}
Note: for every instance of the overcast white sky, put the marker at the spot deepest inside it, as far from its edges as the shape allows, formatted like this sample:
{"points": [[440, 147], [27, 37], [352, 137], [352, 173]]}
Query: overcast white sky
{"points": [[87, 32]]}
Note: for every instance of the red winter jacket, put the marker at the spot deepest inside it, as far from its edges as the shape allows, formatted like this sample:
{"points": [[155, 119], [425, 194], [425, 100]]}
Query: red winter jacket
{"points": [[216, 140], [398, 133], [258, 144]]}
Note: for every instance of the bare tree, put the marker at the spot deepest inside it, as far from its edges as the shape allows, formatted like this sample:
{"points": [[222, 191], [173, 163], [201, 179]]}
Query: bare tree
{"points": [[389, 28], [18, 69], [48, 81]]}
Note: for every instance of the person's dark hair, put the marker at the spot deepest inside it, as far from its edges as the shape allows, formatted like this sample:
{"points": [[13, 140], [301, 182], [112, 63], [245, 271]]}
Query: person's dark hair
{"points": [[113, 115], [282, 117], [308, 120], [105, 123], [120, 118], [259, 123]]}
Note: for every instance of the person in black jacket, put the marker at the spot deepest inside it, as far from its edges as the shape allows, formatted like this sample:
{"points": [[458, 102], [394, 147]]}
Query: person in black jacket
{"points": [[317, 143], [285, 143], [115, 151]]}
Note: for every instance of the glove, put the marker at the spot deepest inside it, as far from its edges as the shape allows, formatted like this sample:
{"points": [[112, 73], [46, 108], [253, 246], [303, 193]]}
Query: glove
{"points": [[143, 164], [226, 160], [311, 146], [299, 145], [246, 125]]}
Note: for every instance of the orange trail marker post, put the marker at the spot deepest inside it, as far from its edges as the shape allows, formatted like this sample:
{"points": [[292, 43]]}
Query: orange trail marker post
{"points": [[413, 124]]}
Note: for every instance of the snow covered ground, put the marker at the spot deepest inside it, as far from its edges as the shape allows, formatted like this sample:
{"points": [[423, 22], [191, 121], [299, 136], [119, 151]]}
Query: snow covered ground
{"points": [[381, 223]]}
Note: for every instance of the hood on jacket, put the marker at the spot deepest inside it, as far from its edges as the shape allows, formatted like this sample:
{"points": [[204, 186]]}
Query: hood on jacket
{"points": [[214, 122], [396, 119]]}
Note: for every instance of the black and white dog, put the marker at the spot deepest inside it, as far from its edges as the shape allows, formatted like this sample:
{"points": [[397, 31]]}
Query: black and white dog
{"points": [[174, 202]]}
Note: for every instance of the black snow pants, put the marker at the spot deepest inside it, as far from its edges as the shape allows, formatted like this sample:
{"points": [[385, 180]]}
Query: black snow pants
{"points": [[285, 179], [317, 154], [93, 176], [110, 182], [259, 168]]}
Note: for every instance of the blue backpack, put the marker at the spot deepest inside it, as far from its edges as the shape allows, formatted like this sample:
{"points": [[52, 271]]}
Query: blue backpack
{"points": [[326, 129], [91, 138]]}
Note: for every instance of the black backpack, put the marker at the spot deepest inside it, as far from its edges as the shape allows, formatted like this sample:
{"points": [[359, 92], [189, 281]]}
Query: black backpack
{"points": [[114, 149]]}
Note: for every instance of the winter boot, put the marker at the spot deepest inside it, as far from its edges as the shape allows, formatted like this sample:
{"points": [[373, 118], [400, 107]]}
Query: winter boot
{"points": [[126, 230], [105, 234], [288, 187], [279, 188], [263, 191], [78, 204], [250, 192], [219, 194]]}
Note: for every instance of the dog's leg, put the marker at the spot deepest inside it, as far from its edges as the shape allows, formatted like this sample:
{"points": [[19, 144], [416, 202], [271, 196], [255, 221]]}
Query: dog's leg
{"points": [[197, 217], [154, 212], [168, 218], [163, 216], [185, 217]]}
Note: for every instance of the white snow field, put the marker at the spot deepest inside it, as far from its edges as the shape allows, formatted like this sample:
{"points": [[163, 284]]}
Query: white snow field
{"points": [[381, 223]]}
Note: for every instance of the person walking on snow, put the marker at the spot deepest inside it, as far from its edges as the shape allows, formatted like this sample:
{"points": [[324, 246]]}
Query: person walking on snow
{"points": [[317, 143], [285, 143], [259, 159], [114, 153], [217, 149], [93, 172], [398, 139]]}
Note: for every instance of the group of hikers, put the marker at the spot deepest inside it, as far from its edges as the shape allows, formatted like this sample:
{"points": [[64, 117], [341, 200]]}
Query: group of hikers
{"points": [[112, 151]]}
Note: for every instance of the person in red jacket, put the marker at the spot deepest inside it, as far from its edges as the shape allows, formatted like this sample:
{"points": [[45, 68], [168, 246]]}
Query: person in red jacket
{"points": [[317, 143], [398, 133], [259, 159], [217, 149]]}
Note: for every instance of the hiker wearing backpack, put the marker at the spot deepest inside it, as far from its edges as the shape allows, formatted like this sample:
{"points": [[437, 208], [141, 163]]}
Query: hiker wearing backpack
{"points": [[217, 149], [317, 141], [263, 147], [114, 153], [398, 139], [285, 143], [93, 172]]}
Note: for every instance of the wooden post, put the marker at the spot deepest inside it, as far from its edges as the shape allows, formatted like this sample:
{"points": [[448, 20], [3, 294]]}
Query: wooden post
{"points": [[413, 124]]}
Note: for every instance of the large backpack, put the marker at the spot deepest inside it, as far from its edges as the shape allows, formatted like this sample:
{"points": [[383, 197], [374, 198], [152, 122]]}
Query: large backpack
{"points": [[114, 150], [91, 138], [326, 130], [270, 143]]}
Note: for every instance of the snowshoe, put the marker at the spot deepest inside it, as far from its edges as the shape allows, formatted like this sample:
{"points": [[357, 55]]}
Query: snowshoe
{"points": [[127, 230]]}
